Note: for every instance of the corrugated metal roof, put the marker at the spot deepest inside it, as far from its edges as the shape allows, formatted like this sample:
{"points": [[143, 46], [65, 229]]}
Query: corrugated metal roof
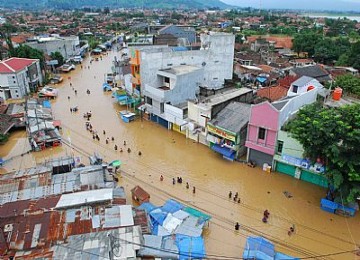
{"points": [[84, 198]]}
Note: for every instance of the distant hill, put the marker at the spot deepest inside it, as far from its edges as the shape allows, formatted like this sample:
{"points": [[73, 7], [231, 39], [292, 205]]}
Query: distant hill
{"points": [[73, 4]]}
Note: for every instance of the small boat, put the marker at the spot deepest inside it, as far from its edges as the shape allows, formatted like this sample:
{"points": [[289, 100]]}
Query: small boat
{"points": [[106, 87], [127, 116]]}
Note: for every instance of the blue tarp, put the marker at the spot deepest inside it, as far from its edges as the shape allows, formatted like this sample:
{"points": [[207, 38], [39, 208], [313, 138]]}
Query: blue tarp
{"points": [[1, 161], [261, 79], [171, 206], [157, 217], [147, 206], [190, 247], [227, 152], [106, 86], [46, 104], [281, 256], [180, 48], [258, 248]]}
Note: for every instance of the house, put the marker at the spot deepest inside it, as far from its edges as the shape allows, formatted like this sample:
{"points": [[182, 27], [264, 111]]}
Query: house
{"points": [[227, 130], [303, 85], [302, 62], [67, 46], [18, 77], [316, 72], [188, 34], [180, 73], [289, 159], [266, 119], [203, 110]]}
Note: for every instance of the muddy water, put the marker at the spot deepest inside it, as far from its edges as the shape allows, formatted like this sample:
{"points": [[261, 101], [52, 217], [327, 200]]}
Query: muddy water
{"points": [[171, 154]]}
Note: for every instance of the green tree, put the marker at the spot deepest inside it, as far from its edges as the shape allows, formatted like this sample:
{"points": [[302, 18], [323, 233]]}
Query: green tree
{"points": [[24, 51], [349, 83], [306, 42], [333, 135], [57, 56], [343, 60]]}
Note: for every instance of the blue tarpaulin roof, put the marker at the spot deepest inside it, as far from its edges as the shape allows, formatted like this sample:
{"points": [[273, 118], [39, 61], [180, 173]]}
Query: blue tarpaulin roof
{"points": [[171, 206], [227, 152], [259, 248], [261, 79], [106, 86], [46, 104], [147, 206], [180, 48], [190, 247], [281, 256]]}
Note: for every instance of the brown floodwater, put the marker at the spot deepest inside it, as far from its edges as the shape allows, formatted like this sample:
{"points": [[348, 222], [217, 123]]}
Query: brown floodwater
{"points": [[171, 154]]}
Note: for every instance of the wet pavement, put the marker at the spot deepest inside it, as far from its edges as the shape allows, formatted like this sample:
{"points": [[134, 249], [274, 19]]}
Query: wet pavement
{"points": [[170, 154]]}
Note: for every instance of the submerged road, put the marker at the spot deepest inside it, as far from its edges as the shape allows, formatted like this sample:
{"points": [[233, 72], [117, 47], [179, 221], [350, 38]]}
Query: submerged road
{"points": [[170, 154]]}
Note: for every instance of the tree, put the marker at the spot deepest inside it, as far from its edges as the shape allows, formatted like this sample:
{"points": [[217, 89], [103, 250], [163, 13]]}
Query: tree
{"points": [[333, 136], [24, 51], [57, 56], [306, 42], [349, 83]]}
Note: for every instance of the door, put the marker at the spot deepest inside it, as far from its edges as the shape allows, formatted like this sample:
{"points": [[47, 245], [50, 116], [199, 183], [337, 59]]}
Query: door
{"points": [[285, 168]]}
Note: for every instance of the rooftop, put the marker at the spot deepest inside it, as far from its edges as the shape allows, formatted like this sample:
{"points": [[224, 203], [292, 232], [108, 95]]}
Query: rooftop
{"points": [[223, 96], [180, 70], [233, 117], [12, 65]]}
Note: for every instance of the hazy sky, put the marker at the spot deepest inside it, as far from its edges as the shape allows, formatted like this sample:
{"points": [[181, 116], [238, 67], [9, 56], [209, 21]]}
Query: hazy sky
{"points": [[346, 5]]}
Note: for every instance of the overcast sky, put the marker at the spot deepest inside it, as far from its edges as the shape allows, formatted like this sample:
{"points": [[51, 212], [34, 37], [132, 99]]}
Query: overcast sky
{"points": [[340, 5]]}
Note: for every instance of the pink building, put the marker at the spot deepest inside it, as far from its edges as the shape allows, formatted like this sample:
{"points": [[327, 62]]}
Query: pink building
{"points": [[266, 119], [262, 133]]}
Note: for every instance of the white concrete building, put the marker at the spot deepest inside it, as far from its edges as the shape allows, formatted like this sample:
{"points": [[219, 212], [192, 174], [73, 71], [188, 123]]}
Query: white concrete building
{"points": [[67, 46], [18, 77], [172, 76]]}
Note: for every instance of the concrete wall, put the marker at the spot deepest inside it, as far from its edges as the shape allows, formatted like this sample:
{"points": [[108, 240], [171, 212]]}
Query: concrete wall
{"points": [[295, 104], [216, 60], [303, 89], [291, 146]]}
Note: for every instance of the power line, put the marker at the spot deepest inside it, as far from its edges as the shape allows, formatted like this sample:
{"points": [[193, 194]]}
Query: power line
{"points": [[222, 219]]}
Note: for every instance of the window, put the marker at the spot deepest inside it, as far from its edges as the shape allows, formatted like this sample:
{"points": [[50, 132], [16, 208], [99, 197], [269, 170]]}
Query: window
{"points": [[149, 100], [280, 145], [295, 89], [161, 108], [167, 80], [261, 134]]}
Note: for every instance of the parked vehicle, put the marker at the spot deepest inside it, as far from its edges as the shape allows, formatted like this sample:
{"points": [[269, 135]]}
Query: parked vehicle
{"points": [[56, 79], [67, 67], [48, 92]]}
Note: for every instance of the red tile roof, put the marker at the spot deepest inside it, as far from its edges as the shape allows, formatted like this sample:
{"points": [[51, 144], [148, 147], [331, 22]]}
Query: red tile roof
{"points": [[272, 93], [15, 64]]}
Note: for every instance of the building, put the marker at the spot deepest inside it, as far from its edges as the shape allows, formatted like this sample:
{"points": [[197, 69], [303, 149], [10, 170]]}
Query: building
{"points": [[289, 159], [303, 85], [201, 111], [180, 72], [187, 35], [227, 130], [67, 46], [266, 120], [316, 72], [19, 77]]}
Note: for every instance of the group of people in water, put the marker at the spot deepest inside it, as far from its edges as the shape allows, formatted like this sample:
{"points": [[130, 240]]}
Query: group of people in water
{"points": [[236, 197], [180, 181]]}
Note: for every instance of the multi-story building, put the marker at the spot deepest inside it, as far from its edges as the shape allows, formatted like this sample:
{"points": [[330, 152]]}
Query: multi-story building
{"points": [[172, 76], [67, 46], [18, 77]]}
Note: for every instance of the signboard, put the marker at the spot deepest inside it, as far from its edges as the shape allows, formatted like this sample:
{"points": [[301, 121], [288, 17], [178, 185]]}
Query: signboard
{"points": [[52, 62], [221, 133]]}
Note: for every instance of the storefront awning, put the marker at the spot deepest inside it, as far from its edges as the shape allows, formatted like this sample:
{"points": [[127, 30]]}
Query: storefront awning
{"points": [[227, 152]]}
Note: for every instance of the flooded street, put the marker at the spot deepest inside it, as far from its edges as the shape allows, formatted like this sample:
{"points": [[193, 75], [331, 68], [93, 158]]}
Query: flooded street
{"points": [[171, 154]]}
